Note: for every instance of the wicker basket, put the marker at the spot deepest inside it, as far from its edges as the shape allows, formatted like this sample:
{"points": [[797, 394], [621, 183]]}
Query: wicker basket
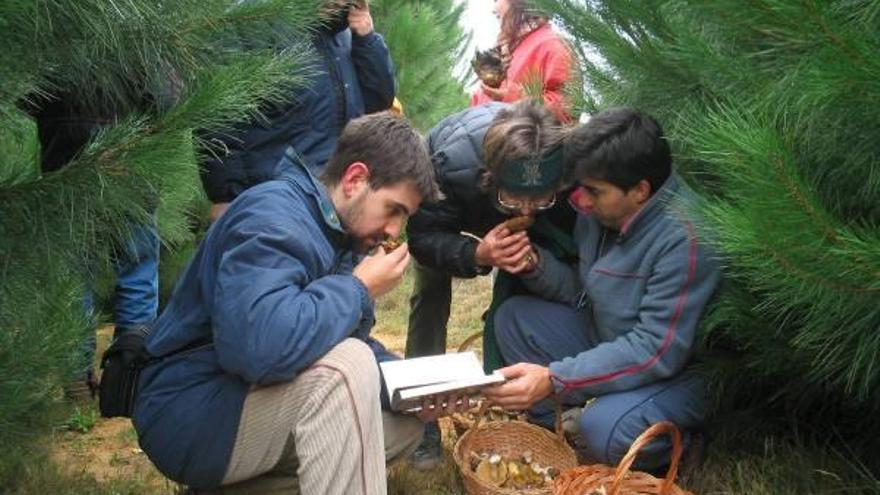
{"points": [[468, 342], [511, 439], [602, 479]]}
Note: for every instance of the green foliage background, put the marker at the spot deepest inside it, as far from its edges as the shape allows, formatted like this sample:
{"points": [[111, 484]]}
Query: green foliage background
{"points": [[58, 230], [426, 43]]}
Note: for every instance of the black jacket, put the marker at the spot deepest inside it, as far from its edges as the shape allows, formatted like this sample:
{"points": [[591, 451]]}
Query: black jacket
{"points": [[352, 75], [434, 232]]}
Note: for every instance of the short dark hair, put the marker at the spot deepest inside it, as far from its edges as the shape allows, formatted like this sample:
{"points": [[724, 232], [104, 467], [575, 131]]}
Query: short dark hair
{"points": [[622, 146], [392, 150], [521, 131]]}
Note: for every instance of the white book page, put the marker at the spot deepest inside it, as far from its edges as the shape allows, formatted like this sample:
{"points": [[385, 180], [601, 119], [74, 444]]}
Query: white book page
{"points": [[429, 370], [411, 399]]}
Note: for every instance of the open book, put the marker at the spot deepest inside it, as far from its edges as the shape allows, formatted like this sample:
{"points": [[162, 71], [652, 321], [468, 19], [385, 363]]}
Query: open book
{"points": [[411, 381]]}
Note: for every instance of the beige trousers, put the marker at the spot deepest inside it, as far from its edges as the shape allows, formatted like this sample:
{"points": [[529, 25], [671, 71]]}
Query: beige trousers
{"points": [[322, 433]]}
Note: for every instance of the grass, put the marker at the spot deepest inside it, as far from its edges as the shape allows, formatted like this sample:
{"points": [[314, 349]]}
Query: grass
{"points": [[470, 298], [741, 459], [82, 420], [758, 464]]}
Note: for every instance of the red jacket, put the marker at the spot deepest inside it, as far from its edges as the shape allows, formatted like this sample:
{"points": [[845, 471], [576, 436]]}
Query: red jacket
{"points": [[542, 53]]}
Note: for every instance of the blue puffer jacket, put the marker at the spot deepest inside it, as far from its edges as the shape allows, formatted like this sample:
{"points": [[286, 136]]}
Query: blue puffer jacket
{"points": [[353, 75], [646, 288], [271, 286]]}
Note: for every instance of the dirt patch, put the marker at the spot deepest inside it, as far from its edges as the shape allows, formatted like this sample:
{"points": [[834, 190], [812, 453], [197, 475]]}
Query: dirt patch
{"points": [[108, 452]]}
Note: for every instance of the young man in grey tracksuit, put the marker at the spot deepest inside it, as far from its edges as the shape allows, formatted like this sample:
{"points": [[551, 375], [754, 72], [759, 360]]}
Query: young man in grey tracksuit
{"points": [[620, 325]]}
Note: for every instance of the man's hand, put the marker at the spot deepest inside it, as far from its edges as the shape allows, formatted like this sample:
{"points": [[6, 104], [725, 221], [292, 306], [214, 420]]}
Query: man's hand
{"points": [[359, 19], [501, 249], [527, 262], [382, 272], [526, 384], [432, 410]]}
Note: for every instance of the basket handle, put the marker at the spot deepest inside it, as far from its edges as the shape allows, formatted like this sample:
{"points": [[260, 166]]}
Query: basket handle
{"points": [[663, 427]]}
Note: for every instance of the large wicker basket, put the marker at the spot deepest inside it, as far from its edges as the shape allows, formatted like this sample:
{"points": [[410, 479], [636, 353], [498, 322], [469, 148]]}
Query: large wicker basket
{"points": [[603, 479], [511, 439]]}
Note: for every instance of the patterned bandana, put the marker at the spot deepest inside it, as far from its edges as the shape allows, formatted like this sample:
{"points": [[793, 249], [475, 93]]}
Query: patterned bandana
{"points": [[532, 176]]}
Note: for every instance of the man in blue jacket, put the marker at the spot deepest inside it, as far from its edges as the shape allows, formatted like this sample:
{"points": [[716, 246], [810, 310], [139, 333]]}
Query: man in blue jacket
{"points": [[616, 331], [353, 75], [269, 381]]}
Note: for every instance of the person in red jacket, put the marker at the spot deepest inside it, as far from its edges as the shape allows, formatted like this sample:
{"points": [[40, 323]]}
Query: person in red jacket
{"points": [[534, 57]]}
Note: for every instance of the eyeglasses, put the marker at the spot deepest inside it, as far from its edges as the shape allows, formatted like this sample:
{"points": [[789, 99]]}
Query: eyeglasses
{"points": [[519, 204]]}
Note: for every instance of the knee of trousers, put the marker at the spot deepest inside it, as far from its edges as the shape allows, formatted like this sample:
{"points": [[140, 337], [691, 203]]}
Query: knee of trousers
{"points": [[606, 435], [509, 325], [355, 361]]}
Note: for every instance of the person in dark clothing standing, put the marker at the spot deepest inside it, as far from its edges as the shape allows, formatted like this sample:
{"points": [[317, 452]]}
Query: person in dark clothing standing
{"points": [[65, 125], [352, 76], [493, 162]]}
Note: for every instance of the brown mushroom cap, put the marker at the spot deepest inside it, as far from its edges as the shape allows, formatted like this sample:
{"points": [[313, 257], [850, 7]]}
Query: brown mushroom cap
{"points": [[520, 223], [391, 244]]}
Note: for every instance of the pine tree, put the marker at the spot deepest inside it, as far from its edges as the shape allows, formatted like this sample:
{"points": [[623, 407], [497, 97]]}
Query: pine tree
{"points": [[426, 43], [213, 62], [771, 108]]}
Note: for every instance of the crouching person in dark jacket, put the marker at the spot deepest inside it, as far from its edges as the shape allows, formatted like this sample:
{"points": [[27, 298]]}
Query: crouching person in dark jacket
{"points": [[616, 331], [272, 381], [493, 162]]}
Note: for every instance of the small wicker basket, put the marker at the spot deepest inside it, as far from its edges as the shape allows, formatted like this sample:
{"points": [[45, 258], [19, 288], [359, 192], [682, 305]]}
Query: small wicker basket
{"points": [[510, 439], [602, 479]]}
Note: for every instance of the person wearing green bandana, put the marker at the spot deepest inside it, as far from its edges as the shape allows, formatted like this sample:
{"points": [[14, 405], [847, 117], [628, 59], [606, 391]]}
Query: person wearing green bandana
{"points": [[493, 162]]}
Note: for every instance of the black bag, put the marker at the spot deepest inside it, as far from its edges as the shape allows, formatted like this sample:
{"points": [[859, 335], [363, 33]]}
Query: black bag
{"points": [[122, 363]]}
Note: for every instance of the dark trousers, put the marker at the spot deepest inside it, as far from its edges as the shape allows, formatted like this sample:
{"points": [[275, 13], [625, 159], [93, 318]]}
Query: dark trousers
{"points": [[428, 312], [537, 331]]}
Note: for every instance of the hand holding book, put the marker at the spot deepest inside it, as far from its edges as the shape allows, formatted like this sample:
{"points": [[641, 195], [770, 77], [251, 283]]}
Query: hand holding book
{"points": [[526, 384], [437, 406]]}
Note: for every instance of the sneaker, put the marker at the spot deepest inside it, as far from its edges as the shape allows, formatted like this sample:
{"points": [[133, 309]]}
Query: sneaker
{"points": [[429, 453], [571, 420]]}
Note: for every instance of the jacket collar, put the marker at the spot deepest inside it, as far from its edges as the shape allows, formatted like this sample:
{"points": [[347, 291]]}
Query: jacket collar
{"points": [[300, 175]]}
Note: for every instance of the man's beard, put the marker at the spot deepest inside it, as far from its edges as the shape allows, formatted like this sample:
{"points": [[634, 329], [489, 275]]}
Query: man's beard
{"points": [[350, 216]]}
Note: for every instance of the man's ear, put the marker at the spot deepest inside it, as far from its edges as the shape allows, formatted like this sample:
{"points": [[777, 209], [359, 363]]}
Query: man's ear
{"points": [[355, 177], [642, 191]]}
